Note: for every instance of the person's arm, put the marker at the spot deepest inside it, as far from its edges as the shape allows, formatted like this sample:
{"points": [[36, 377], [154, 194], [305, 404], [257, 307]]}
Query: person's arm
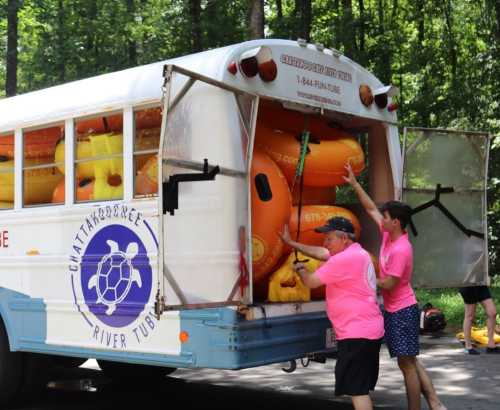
{"points": [[316, 252], [370, 207], [309, 278], [395, 268], [388, 282]]}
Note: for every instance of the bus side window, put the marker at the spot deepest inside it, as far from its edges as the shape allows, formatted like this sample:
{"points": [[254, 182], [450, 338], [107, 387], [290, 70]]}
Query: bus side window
{"points": [[99, 158], [146, 144], [41, 177], [7, 171]]}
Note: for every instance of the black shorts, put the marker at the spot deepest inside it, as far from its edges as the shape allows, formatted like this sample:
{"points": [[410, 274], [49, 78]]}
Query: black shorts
{"points": [[356, 371], [475, 294]]}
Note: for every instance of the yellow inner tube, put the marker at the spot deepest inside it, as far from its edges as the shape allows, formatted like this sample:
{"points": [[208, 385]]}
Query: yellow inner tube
{"points": [[96, 145], [38, 183], [106, 173], [479, 335], [285, 285]]}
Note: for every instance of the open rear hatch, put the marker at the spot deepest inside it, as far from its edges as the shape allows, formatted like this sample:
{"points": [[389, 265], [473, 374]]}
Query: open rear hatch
{"points": [[445, 174]]}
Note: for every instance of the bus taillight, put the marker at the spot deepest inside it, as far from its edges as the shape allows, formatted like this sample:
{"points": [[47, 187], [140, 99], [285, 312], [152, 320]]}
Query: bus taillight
{"points": [[268, 70], [382, 95], [392, 107], [232, 68], [260, 61]]}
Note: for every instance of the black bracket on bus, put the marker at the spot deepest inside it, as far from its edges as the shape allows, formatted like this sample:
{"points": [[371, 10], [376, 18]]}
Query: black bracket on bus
{"points": [[435, 202], [171, 187]]}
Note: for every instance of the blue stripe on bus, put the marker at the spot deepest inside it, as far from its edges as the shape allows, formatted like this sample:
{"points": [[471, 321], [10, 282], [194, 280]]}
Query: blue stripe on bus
{"points": [[218, 337], [25, 320], [222, 338], [23, 315]]}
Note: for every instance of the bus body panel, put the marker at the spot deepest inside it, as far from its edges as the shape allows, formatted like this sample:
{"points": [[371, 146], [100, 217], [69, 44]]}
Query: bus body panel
{"points": [[142, 85], [56, 270]]}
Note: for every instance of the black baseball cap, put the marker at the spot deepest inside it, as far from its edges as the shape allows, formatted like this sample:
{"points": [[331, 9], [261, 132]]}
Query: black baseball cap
{"points": [[337, 223]]}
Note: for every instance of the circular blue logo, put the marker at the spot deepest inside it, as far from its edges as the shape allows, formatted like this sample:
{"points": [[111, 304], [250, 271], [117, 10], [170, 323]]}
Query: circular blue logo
{"points": [[116, 276]]}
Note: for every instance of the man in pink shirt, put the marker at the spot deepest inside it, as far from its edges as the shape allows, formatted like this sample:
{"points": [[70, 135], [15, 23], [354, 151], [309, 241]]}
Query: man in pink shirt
{"points": [[401, 316], [352, 307]]}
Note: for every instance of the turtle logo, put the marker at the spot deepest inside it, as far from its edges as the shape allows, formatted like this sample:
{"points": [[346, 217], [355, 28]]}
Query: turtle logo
{"points": [[115, 275]]}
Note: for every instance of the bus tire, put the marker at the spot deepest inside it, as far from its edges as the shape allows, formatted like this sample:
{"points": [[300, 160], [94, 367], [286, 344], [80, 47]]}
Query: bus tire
{"points": [[11, 369], [68, 362], [134, 373], [36, 371]]}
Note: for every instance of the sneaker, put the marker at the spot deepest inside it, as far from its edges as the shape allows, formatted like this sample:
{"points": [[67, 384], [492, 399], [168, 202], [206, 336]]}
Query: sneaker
{"points": [[493, 350], [472, 351]]}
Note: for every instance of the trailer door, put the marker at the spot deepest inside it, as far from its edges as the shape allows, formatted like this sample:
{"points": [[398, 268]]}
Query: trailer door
{"points": [[205, 198], [444, 180]]}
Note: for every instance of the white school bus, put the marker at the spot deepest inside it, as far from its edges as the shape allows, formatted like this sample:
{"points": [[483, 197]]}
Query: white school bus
{"points": [[140, 209]]}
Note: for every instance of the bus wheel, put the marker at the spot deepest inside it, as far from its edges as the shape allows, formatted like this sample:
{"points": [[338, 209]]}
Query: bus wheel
{"points": [[11, 365], [68, 362], [36, 371], [133, 373]]}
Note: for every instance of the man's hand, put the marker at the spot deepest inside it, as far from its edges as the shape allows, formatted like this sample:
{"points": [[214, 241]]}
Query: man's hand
{"points": [[316, 252], [388, 283], [299, 267], [285, 235], [309, 278], [350, 178]]}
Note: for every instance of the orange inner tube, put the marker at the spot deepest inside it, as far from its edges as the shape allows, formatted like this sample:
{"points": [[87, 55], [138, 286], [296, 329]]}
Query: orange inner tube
{"points": [[324, 163], [38, 143], [273, 116], [84, 191], [269, 214]]}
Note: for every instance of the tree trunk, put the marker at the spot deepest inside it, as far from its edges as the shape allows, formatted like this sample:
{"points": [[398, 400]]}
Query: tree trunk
{"points": [[337, 26], [132, 46], [497, 13], [213, 35], [380, 16], [451, 43], [302, 12], [421, 21], [349, 34], [256, 18], [194, 14], [11, 77], [279, 9], [61, 53], [91, 42], [361, 5], [305, 20], [394, 11]]}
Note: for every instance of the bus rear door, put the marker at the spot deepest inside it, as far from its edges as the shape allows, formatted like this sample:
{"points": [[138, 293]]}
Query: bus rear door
{"points": [[444, 180], [206, 138]]}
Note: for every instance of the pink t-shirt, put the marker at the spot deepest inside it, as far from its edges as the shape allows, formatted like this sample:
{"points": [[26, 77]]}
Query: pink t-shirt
{"points": [[396, 259], [351, 299]]}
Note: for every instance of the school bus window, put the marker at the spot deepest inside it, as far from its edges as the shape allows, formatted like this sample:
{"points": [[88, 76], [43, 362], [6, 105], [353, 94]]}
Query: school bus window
{"points": [[99, 158], [7, 171], [42, 177], [146, 143]]}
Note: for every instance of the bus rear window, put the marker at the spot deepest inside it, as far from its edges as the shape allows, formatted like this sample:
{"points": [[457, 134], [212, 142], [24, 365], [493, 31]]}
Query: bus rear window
{"points": [[146, 142]]}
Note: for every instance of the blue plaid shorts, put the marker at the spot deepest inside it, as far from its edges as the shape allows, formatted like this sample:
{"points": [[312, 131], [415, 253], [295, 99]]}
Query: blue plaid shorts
{"points": [[402, 331]]}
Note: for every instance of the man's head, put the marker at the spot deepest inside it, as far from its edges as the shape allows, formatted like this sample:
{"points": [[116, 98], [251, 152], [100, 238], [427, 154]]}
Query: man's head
{"points": [[396, 216], [339, 234]]}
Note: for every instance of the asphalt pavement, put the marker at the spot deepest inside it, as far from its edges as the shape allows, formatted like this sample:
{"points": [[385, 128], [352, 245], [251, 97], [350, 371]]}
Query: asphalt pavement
{"points": [[462, 382]]}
